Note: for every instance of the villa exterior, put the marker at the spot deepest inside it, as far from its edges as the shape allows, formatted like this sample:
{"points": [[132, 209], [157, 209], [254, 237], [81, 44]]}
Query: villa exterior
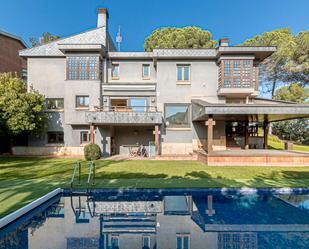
{"points": [[172, 101]]}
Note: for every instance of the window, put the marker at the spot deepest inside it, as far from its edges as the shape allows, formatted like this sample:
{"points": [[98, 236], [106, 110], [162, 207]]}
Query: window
{"points": [[138, 104], [177, 115], [183, 73], [238, 74], [82, 101], [84, 137], [54, 104], [146, 71], [115, 242], [55, 137], [83, 68], [115, 71], [183, 241], [146, 242]]}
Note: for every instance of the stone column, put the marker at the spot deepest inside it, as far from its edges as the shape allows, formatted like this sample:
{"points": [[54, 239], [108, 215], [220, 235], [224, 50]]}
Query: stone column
{"points": [[156, 133], [246, 135], [265, 128], [210, 123], [92, 134]]}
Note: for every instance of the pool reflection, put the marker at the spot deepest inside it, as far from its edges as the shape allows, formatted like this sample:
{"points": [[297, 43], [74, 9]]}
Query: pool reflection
{"points": [[162, 219]]}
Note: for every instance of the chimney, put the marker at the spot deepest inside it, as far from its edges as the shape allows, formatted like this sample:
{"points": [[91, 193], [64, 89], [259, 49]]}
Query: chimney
{"points": [[102, 17], [224, 42]]}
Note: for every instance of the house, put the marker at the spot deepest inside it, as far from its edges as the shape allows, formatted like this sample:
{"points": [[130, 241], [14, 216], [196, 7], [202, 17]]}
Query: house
{"points": [[10, 61], [172, 101]]}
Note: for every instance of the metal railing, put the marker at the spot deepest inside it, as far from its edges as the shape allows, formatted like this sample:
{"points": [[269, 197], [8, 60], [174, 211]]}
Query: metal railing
{"points": [[125, 108], [91, 175], [79, 168]]}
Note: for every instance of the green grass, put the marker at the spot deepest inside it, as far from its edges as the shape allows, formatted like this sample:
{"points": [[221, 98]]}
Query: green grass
{"points": [[23, 180], [277, 144]]}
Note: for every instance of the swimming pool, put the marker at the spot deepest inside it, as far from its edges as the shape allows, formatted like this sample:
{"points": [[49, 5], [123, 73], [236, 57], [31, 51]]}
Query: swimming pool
{"points": [[163, 219]]}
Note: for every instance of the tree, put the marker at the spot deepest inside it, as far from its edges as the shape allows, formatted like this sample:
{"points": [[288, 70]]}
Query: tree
{"points": [[45, 38], [297, 65], [20, 111], [294, 92], [293, 130], [273, 66], [187, 37]]}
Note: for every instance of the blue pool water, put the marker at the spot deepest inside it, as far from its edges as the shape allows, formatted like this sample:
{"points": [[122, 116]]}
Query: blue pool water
{"points": [[165, 219]]}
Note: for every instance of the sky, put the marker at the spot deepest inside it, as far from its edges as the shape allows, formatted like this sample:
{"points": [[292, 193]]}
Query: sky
{"points": [[236, 19]]}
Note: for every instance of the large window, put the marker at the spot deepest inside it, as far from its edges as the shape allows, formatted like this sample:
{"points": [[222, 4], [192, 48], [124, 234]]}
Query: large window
{"points": [[183, 241], [183, 73], [177, 115], [238, 74], [55, 137], [115, 71], [54, 104], [83, 68], [138, 104], [146, 71], [82, 101]]}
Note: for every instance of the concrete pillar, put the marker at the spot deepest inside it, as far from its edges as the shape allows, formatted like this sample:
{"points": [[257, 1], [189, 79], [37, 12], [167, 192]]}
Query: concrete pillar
{"points": [[246, 135], [265, 128], [210, 124], [157, 139], [91, 133]]}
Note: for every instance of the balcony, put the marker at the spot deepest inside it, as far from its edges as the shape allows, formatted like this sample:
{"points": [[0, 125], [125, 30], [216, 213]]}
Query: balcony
{"points": [[121, 115]]}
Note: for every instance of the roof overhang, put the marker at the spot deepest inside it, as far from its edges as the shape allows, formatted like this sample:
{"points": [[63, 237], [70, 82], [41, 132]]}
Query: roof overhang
{"points": [[248, 112], [80, 47]]}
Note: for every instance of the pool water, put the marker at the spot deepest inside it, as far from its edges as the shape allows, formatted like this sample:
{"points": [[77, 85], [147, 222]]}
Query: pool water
{"points": [[165, 219]]}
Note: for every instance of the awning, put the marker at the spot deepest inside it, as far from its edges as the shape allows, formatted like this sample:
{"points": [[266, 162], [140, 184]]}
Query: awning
{"points": [[201, 110]]}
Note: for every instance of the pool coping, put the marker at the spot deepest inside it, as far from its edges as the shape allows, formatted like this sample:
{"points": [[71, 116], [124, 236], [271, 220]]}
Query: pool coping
{"points": [[22, 211]]}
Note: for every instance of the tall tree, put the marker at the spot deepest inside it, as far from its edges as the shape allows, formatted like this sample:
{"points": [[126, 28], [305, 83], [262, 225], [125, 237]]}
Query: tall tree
{"points": [[297, 65], [20, 111], [45, 38], [294, 130], [273, 66], [187, 37]]}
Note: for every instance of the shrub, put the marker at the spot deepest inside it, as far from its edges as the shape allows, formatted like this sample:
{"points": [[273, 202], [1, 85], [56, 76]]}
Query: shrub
{"points": [[92, 152]]}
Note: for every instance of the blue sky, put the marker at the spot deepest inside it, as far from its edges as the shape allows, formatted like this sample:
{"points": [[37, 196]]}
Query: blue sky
{"points": [[237, 20]]}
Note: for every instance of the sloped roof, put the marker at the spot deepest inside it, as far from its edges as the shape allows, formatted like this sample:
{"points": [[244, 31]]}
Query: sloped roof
{"points": [[14, 37], [94, 36]]}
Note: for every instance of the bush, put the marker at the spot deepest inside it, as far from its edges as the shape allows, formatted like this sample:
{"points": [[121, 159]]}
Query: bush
{"points": [[92, 152]]}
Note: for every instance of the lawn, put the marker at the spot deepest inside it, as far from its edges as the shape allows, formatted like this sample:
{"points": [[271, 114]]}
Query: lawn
{"points": [[277, 144], [22, 180]]}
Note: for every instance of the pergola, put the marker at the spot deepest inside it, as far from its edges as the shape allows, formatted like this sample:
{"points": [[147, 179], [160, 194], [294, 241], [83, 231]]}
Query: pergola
{"points": [[264, 113]]}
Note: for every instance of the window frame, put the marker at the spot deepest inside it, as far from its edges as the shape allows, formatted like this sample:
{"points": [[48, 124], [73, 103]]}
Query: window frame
{"points": [[57, 138], [81, 137], [182, 236], [54, 109], [176, 126], [145, 77], [112, 71], [87, 69], [182, 80], [81, 107]]}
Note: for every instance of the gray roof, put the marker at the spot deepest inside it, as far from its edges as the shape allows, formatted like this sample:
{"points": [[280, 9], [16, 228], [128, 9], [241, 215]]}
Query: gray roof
{"points": [[94, 36], [14, 37]]}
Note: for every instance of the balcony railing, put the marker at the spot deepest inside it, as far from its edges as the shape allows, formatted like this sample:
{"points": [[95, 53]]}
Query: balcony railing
{"points": [[124, 115], [125, 109]]}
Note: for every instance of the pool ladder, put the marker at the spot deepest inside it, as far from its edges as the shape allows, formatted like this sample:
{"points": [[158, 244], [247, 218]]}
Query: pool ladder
{"points": [[91, 175]]}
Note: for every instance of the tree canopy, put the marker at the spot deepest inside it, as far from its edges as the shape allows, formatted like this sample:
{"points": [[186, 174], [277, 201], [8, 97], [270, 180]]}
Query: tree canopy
{"points": [[20, 111], [186, 37], [295, 130], [45, 38], [290, 63], [294, 92]]}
